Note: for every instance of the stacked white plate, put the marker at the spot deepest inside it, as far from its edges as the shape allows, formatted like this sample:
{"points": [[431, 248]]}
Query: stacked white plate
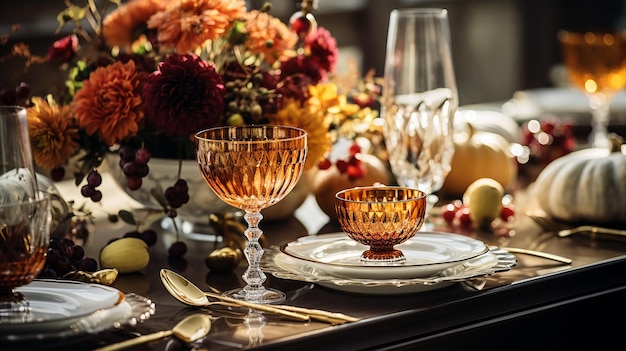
{"points": [[64, 309], [433, 260]]}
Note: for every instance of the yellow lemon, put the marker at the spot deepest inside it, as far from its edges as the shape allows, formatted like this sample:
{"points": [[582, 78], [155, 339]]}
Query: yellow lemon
{"points": [[484, 199]]}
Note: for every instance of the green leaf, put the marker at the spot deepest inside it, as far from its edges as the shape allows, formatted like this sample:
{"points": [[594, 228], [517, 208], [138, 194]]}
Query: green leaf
{"points": [[127, 217], [157, 194]]}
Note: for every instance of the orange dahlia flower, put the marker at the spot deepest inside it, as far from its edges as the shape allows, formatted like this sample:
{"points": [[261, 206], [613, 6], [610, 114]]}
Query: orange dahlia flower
{"points": [[119, 26], [187, 24], [109, 103], [269, 36], [53, 132]]}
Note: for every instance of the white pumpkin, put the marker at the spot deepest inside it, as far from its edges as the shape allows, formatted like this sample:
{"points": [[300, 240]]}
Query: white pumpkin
{"points": [[588, 185]]}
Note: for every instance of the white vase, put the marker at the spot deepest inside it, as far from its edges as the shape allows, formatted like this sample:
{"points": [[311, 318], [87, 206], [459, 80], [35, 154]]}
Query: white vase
{"points": [[194, 215]]}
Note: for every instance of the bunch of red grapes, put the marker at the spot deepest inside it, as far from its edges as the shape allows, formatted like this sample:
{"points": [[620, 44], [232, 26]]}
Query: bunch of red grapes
{"points": [[134, 164], [65, 256], [89, 190]]}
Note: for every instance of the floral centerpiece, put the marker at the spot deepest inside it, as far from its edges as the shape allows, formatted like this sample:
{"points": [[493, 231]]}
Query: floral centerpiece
{"points": [[145, 75]]}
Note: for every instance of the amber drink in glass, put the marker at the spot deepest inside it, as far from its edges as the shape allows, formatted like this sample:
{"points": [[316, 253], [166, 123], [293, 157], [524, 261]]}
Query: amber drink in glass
{"points": [[596, 64], [252, 168], [381, 217]]}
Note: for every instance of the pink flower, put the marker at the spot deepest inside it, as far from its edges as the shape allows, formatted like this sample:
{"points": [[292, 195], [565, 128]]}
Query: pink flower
{"points": [[63, 49], [322, 48], [184, 95]]}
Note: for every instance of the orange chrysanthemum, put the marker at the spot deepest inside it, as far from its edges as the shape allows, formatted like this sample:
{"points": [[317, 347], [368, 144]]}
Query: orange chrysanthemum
{"points": [[109, 103], [312, 117], [187, 24], [269, 36], [53, 132], [119, 26]]}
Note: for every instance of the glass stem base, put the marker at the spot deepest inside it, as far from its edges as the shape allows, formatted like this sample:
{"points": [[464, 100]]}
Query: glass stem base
{"points": [[260, 295], [254, 291]]}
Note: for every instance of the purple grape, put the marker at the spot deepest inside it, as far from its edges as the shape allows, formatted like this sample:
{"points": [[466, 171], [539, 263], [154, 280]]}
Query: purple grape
{"points": [[94, 179], [142, 156]]}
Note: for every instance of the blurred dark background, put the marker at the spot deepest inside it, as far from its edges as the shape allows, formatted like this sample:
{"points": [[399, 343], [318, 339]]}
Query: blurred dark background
{"points": [[499, 46]]}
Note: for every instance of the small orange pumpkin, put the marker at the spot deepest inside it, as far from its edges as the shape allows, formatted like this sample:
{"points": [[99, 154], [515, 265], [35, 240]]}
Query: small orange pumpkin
{"points": [[329, 181], [480, 155]]}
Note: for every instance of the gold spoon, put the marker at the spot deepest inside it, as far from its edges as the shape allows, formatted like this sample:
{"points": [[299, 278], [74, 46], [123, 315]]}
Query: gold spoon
{"points": [[188, 330], [186, 292]]}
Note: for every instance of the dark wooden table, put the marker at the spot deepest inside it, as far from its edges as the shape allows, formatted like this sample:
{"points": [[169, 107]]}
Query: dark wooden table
{"points": [[538, 304]]}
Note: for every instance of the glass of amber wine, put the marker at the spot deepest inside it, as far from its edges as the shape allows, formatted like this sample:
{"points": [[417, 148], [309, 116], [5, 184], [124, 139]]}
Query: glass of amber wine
{"points": [[252, 168], [596, 64]]}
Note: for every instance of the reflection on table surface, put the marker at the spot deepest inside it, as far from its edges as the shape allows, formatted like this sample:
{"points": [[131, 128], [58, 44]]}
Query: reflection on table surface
{"points": [[236, 329]]}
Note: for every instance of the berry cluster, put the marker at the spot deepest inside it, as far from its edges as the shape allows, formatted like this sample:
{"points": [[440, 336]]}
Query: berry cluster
{"points": [[17, 96], [352, 166], [177, 195], [89, 190], [244, 103], [65, 256], [134, 164], [548, 139], [458, 214]]}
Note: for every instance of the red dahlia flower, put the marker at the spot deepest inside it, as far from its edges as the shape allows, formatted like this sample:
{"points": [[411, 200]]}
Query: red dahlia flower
{"points": [[184, 95]]}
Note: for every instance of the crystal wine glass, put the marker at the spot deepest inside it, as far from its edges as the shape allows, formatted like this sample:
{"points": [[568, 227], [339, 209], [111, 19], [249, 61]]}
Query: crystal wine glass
{"points": [[596, 64], [420, 99], [252, 168], [24, 215]]}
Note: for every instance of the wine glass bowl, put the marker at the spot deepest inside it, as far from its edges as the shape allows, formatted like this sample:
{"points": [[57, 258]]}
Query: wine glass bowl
{"points": [[381, 217], [252, 168], [24, 237], [596, 64], [419, 99]]}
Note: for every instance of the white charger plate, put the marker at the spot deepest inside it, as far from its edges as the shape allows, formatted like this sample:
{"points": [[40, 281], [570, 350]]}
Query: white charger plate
{"points": [[65, 308], [426, 254], [283, 266]]}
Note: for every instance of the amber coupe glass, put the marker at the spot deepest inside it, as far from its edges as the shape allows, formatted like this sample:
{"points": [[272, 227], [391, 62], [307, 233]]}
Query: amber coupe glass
{"points": [[381, 217], [252, 168]]}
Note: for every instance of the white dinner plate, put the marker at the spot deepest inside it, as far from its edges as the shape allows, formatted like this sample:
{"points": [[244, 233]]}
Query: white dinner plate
{"points": [[426, 253], [66, 308], [283, 266], [563, 101]]}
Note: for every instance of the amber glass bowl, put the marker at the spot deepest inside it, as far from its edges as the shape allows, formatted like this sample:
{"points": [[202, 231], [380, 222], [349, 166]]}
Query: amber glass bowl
{"points": [[381, 217]]}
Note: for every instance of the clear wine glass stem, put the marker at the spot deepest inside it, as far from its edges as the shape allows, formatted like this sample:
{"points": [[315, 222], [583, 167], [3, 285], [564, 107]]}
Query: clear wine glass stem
{"points": [[253, 275], [599, 104]]}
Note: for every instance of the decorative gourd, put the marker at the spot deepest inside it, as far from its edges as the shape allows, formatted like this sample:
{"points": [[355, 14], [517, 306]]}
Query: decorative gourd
{"points": [[480, 155], [587, 185]]}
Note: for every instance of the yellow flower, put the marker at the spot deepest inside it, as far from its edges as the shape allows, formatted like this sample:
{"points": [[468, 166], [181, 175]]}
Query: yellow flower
{"points": [[53, 132], [313, 117]]}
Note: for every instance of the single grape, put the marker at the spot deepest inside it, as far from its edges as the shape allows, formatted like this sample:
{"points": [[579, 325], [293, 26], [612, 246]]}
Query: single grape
{"points": [[130, 169], [97, 196], [133, 183], [181, 186], [90, 264], [141, 170], [132, 234], [142, 156], [127, 153], [57, 173], [177, 249], [149, 236], [94, 179], [87, 190]]}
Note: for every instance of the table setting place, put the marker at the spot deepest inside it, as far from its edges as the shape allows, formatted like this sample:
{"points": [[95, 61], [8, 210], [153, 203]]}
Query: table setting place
{"points": [[424, 231]]}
